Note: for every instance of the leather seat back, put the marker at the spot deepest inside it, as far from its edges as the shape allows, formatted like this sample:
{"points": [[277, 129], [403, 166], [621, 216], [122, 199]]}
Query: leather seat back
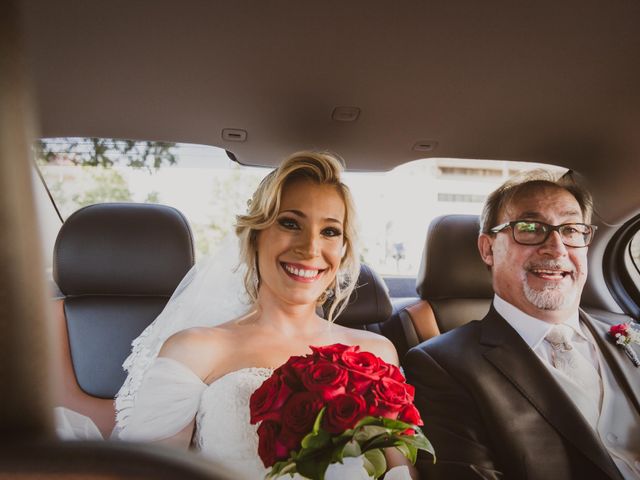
{"points": [[369, 306], [117, 265], [453, 282]]}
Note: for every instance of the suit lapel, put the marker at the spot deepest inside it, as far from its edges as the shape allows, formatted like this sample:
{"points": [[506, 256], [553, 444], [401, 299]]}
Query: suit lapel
{"points": [[625, 372], [510, 354]]}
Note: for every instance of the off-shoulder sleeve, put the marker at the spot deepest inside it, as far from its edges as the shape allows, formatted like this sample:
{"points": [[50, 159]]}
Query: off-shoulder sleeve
{"points": [[166, 402], [72, 425]]}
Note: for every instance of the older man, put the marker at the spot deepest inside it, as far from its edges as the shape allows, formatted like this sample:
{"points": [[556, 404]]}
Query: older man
{"points": [[535, 390]]}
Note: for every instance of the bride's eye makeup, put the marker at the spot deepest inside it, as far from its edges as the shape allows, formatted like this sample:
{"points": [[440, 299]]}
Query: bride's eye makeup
{"points": [[288, 223], [332, 232]]}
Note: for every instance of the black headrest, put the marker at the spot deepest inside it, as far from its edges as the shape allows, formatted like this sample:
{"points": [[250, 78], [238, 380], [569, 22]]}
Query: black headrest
{"points": [[369, 302], [451, 266], [123, 249]]}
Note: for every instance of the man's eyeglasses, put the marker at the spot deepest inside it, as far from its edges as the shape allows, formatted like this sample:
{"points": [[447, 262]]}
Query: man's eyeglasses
{"points": [[528, 232]]}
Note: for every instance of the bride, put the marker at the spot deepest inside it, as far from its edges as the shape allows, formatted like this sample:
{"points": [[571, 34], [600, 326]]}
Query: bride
{"points": [[297, 250]]}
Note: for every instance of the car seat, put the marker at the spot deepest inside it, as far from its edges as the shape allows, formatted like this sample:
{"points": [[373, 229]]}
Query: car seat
{"points": [[117, 265], [369, 305], [453, 282]]}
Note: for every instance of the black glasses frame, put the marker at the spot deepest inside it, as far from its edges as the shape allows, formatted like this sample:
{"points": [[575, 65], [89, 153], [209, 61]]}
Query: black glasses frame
{"points": [[547, 229]]}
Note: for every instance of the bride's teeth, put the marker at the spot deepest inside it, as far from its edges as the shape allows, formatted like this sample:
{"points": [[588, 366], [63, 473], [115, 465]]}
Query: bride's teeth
{"points": [[301, 272]]}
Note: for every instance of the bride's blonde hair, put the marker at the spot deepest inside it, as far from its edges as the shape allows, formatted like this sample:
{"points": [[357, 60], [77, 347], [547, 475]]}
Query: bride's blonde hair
{"points": [[322, 169]]}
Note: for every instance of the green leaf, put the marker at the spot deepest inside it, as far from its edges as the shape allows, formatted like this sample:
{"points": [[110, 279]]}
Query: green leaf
{"points": [[316, 441], [313, 469], [318, 438], [413, 454], [375, 463], [347, 434], [367, 432], [420, 442], [396, 424], [382, 441], [409, 451], [316, 424], [351, 449], [368, 421], [280, 468]]}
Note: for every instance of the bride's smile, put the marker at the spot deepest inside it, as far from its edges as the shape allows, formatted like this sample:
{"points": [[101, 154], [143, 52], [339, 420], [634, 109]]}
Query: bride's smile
{"points": [[302, 273], [299, 255]]}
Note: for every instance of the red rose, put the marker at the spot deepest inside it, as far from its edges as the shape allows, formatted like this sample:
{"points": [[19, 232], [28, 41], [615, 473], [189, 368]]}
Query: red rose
{"points": [[299, 413], [331, 353], [267, 401], [364, 362], [291, 440], [622, 329], [410, 414], [292, 371], [395, 373], [343, 412], [360, 383], [270, 449], [390, 396], [325, 378]]}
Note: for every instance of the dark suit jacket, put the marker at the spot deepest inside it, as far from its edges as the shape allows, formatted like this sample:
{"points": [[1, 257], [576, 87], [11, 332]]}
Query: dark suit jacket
{"points": [[493, 410]]}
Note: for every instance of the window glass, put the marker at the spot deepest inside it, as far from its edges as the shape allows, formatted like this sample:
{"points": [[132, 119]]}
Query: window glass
{"points": [[200, 181], [394, 207]]}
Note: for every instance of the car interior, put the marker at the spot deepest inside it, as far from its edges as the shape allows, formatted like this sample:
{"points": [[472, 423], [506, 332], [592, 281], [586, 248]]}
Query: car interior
{"points": [[381, 84]]}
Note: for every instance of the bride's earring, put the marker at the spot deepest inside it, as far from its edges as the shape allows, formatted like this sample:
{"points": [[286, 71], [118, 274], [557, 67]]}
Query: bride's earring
{"points": [[327, 295], [255, 274]]}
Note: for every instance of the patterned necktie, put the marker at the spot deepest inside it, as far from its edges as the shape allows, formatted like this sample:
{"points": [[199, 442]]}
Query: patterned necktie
{"points": [[566, 358]]}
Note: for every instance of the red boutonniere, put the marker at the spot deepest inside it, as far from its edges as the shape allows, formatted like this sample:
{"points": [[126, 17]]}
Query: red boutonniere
{"points": [[625, 335]]}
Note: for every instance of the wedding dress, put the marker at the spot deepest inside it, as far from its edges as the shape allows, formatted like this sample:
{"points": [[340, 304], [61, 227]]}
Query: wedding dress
{"points": [[171, 396], [160, 396]]}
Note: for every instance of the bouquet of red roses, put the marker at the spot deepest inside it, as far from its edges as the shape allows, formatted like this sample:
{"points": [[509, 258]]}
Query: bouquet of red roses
{"points": [[337, 402]]}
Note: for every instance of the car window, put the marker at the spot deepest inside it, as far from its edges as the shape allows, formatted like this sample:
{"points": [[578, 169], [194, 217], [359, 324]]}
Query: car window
{"points": [[621, 266], [395, 207]]}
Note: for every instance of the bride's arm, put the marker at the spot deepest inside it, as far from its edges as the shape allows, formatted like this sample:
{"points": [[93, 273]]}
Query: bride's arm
{"points": [[182, 439], [193, 348]]}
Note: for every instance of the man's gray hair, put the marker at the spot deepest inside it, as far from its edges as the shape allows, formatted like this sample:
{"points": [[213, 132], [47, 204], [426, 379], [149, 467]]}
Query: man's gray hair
{"points": [[524, 181]]}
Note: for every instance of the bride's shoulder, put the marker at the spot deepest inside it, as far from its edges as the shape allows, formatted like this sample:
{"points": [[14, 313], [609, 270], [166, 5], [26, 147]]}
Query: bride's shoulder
{"points": [[202, 349], [196, 337]]}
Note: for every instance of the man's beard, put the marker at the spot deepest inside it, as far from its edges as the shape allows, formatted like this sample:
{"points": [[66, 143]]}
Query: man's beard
{"points": [[550, 297]]}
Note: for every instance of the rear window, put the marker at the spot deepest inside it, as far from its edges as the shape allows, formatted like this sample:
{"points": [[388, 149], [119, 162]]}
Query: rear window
{"points": [[395, 208]]}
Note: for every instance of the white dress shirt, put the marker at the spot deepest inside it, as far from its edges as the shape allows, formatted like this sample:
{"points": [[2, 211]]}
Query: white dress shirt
{"points": [[533, 330]]}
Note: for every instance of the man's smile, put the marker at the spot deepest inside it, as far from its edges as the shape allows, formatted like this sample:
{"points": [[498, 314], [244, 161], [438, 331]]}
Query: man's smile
{"points": [[550, 271]]}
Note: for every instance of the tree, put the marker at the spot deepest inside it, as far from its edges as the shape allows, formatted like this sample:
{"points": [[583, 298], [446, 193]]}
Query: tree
{"points": [[229, 194], [109, 186], [105, 152], [96, 180]]}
